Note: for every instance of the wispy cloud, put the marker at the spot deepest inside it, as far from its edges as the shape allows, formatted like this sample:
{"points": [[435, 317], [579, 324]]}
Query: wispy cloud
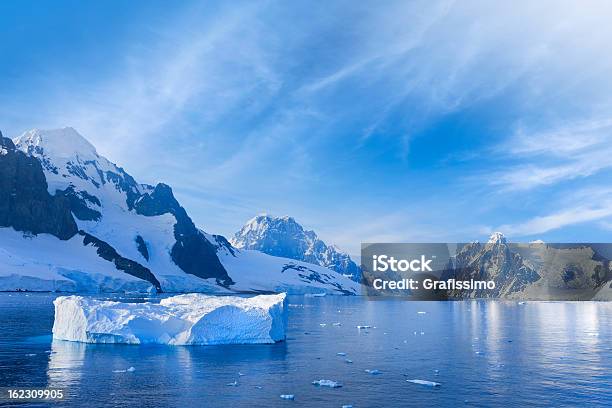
{"points": [[560, 219], [569, 151]]}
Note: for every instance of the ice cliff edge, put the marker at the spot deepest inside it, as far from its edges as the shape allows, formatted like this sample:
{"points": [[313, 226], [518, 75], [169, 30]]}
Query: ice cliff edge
{"points": [[190, 319]]}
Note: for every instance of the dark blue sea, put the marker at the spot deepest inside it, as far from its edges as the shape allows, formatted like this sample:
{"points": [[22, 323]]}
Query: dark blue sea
{"points": [[483, 353]]}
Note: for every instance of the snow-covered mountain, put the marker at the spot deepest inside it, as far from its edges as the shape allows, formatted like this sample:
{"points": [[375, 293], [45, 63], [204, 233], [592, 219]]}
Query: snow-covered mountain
{"points": [[71, 220], [534, 270], [284, 237]]}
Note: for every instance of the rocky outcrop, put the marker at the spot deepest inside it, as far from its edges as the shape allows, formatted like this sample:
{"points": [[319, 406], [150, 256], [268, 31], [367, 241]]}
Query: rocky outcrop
{"points": [[142, 247], [107, 252], [25, 203]]}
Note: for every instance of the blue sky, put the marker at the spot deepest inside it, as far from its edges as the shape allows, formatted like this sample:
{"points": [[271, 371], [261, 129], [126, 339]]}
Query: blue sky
{"points": [[366, 121]]}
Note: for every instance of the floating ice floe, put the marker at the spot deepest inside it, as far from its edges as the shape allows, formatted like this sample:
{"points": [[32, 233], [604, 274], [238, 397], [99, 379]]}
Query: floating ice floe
{"points": [[337, 324], [421, 312], [322, 324], [425, 382], [373, 372], [288, 396], [347, 406], [128, 370], [364, 327], [348, 361], [191, 319], [232, 384], [30, 355], [341, 354], [327, 383]]}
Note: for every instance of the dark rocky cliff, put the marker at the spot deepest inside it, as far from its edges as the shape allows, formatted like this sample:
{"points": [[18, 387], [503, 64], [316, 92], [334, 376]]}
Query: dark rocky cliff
{"points": [[192, 252], [25, 203]]}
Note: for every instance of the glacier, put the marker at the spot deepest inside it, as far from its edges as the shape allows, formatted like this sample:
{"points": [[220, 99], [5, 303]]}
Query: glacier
{"points": [[189, 319]]}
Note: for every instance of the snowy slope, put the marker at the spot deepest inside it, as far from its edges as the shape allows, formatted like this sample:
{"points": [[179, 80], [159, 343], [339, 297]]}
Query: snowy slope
{"points": [[46, 263], [284, 237], [125, 235]]}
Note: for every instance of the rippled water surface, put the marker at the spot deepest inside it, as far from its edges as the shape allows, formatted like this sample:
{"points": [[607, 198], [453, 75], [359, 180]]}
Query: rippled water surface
{"points": [[482, 353]]}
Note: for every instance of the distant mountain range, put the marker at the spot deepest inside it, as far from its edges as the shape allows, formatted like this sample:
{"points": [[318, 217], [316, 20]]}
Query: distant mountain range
{"points": [[71, 220], [534, 270], [284, 237]]}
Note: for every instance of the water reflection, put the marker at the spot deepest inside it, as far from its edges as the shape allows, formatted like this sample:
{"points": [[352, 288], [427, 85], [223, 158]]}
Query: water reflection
{"points": [[65, 364]]}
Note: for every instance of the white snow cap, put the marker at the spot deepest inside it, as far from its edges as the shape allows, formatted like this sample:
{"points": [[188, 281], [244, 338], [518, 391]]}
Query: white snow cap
{"points": [[59, 143], [497, 237]]}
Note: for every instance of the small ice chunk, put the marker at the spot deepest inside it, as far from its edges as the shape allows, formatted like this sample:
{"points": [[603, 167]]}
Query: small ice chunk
{"points": [[348, 361], [240, 374], [322, 324], [522, 302], [327, 383], [288, 396], [425, 382], [373, 372], [337, 324], [232, 384], [30, 355], [364, 327], [347, 406], [421, 312], [128, 370], [341, 354], [259, 387]]}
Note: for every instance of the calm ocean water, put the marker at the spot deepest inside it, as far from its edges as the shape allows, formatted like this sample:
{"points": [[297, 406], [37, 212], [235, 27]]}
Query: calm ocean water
{"points": [[483, 354]]}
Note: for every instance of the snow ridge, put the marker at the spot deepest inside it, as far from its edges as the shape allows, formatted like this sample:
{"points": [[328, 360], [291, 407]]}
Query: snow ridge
{"points": [[284, 237]]}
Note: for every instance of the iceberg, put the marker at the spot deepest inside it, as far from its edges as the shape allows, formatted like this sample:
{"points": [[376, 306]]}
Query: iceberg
{"points": [[191, 319]]}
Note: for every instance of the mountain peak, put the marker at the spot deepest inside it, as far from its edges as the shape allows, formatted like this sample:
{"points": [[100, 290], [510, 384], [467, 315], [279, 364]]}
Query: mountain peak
{"points": [[60, 143], [497, 237], [285, 237]]}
